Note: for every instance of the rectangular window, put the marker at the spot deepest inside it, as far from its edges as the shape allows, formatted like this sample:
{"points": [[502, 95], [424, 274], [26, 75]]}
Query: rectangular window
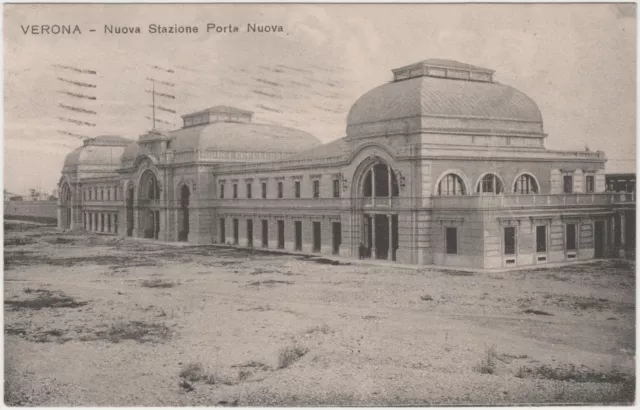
{"points": [[568, 184], [571, 237], [510, 240], [280, 189], [541, 238], [336, 188], [221, 191], [102, 194], [115, 194], [316, 189], [108, 194], [296, 185], [451, 239], [249, 190], [235, 191], [589, 184], [264, 190]]}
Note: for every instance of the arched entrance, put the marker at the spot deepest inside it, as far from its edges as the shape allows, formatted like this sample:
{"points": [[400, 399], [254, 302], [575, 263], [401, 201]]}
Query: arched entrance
{"points": [[149, 205], [378, 189], [183, 214], [129, 210], [65, 204]]}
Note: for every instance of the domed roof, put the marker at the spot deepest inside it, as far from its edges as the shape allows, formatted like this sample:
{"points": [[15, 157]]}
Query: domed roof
{"points": [[240, 136], [426, 94], [103, 150]]}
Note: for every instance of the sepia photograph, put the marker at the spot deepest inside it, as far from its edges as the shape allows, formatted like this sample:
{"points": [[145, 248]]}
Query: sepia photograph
{"points": [[305, 205]]}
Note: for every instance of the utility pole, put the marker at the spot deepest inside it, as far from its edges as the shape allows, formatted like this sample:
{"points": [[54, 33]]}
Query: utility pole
{"points": [[153, 102]]}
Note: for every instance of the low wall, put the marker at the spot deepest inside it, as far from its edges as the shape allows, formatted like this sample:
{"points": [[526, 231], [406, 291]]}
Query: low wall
{"points": [[32, 209]]}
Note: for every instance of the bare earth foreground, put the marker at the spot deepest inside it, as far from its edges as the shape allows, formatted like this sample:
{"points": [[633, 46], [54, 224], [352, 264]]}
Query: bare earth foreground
{"points": [[102, 321]]}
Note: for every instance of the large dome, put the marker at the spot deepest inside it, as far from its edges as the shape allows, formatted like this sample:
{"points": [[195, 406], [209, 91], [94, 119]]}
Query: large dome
{"points": [[436, 98], [104, 150]]}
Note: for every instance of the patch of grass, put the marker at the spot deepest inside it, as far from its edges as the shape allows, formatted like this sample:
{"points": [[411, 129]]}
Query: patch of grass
{"points": [[290, 354], [457, 272], [140, 332], [270, 282], [488, 363], [260, 308], [45, 299], [324, 329], [571, 373], [254, 365], [537, 312], [157, 283], [427, 298], [194, 372], [58, 240]]}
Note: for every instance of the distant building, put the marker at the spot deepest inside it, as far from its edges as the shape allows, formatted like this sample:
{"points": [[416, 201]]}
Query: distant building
{"points": [[621, 182], [441, 166], [9, 196]]}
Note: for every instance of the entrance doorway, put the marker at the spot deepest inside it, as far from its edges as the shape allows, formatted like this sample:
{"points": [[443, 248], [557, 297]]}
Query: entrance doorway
{"points": [[298, 235], [129, 211], [381, 236], [317, 241], [223, 234], [149, 225], [183, 217], [265, 233], [280, 234], [250, 232], [599, 239], [235, 231], [337, 237]]}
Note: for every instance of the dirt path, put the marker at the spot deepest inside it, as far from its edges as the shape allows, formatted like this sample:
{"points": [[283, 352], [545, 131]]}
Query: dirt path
{"points": [[97, 321]]}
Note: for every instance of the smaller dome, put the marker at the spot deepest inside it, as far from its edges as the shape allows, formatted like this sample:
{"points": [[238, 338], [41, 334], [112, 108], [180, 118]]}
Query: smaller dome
{"points": [[102, 150], [239, 136]]}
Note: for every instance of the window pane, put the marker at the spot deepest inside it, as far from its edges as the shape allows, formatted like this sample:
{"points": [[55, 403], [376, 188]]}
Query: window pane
{"points": [[509, 240], [568, 184], [571, 237], [451, 184], [589, 183], [452, 240], [541, 238]]}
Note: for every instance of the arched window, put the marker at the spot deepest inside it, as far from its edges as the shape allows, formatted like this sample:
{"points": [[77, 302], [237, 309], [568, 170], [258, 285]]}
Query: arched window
{"points": [[153, 188], [489, 184], [451, 184], [525, 184], [384, 180]]}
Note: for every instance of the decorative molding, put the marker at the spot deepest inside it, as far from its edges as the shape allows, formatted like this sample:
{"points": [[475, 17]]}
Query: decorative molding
{"points": [[510, 220], [454, 221], [541, 219]]}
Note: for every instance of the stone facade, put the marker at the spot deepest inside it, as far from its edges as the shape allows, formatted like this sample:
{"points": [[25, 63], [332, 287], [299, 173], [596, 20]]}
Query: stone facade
{"points": [[437, 184]]}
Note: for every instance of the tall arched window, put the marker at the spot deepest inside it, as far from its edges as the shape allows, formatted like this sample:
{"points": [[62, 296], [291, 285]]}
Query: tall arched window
{"points": [[489, 184], [525, 184], [451, 184]]}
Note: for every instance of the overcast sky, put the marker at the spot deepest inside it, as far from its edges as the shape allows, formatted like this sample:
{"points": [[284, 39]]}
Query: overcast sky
{"points": [[577, 61]]}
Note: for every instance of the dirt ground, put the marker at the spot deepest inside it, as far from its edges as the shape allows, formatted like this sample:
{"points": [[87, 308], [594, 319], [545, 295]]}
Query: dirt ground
{"points": [[103, 321]]}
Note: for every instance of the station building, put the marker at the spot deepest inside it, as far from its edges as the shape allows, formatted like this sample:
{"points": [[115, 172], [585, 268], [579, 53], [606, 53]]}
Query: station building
{"points": [[442, 166]]}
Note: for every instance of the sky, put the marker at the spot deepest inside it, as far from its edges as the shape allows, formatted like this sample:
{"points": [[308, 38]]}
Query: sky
{"points": [[577, 61]]}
